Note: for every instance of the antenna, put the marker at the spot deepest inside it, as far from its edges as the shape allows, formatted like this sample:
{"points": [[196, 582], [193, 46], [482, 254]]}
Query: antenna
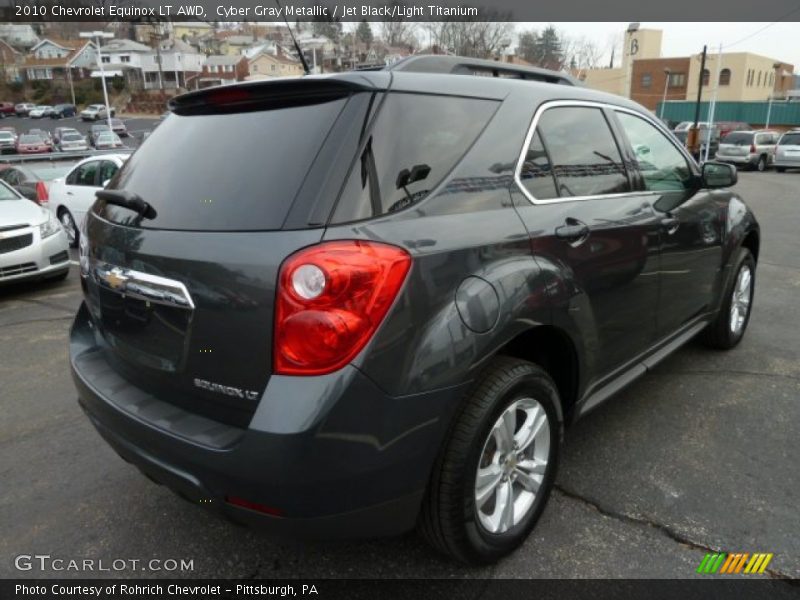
{"points": [[296, 45]]}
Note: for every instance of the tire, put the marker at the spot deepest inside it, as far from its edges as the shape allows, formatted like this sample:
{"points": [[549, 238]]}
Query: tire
{"points": [[780, 169], [70, 227], [723, 333], [761, 165], [451, 519]]}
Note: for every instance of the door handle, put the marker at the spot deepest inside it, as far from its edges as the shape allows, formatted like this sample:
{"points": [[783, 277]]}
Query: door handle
{"points": [[671, 224], [573, 231], [69, 193]]}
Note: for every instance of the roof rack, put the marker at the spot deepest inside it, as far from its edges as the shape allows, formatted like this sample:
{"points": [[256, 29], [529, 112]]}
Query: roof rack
{"points": [[460, 65]]}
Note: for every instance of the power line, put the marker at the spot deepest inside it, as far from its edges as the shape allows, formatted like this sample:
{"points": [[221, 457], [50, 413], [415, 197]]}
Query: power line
{"points": [[757, 31]]}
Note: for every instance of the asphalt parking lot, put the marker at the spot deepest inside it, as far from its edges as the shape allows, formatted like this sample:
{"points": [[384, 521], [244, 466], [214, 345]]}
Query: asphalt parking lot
{"points": [[700, 456], [136, 126]]}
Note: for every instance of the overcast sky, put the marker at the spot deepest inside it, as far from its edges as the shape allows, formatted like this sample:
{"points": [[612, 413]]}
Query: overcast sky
{"points": [[780, 41]]}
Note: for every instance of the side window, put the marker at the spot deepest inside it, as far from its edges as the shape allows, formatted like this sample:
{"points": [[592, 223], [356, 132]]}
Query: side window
{"points": [[86, 174], [107, 170], [536, 173], [11, 177], [415, 141], [663, 166], [584, 156]]}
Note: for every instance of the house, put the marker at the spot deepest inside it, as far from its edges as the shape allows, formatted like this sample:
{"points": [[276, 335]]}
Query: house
{"points": [[268, 66], [124, 58], [56, 59], [18, 35], [10, 60], [185, 30], [220, 69], [171, 66]]}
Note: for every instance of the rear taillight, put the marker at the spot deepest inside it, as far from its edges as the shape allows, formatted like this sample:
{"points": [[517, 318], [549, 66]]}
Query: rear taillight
{"points": [[41, 192], [752, 148], [331, 299]]}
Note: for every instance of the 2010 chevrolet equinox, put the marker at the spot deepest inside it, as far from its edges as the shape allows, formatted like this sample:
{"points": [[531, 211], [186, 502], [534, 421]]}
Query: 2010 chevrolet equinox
{"points": [[377, 298]]}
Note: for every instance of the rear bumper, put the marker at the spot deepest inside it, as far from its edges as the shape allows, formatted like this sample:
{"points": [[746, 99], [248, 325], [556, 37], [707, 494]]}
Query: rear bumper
{"points": [[332, 456], [43, 258], [747, 159]]}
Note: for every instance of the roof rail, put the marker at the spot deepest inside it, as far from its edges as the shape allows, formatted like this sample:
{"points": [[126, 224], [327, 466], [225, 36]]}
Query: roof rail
{"points": [[460, 65]]}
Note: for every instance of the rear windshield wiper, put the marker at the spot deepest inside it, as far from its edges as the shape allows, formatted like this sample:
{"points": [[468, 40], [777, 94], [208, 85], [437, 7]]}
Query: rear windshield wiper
{"points": [[129, 200]]}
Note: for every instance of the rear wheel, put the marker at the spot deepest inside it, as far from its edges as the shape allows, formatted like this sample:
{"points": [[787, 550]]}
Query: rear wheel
{"points": [[70, 228], [729, 326], [495, 473], [761, 165], [780, 169]]}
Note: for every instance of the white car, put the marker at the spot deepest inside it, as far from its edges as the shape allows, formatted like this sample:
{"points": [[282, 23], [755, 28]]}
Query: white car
{"points": [[32, 243], [37, 112], [94, 112], [70, 197]]}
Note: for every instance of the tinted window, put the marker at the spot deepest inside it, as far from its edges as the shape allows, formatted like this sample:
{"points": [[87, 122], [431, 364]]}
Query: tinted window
{"points": [[662, 165], [738, 138], [107, 170], [233, 171], [86, 174], [790, 139], [536, 174], [11, 176], [584, 155], [414, 143]]}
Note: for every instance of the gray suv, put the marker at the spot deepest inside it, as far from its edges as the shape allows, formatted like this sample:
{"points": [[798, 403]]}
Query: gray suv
{"points": [[378, 298], [752, 149]]}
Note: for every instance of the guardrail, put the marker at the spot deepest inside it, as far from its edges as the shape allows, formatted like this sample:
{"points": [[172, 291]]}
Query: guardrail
{"points": [[59, 156]]}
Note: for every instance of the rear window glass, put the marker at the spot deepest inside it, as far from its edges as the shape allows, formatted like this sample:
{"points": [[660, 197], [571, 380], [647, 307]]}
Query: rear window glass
{"points": [[414, 143], [790, 139], [738, 138], [225, 172]]}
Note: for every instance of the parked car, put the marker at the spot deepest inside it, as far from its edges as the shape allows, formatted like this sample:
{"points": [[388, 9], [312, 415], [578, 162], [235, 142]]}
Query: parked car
{"points": [[751, 149], [6, 109], [23, 108], [787, 151], [61, 111], [72, 141], [8, 142], [450, 270], [73, 194], [33, 180], [96, 130], [107, 140], [59, 131], [44, 134], [32, 144], [683, 134], [32, 243], [118, 127], [94, 112], [40, 111]]}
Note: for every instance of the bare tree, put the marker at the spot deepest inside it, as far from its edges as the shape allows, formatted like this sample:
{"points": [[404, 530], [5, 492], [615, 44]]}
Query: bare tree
{"points": [[398, 33], [580, 53], [479, 39]]}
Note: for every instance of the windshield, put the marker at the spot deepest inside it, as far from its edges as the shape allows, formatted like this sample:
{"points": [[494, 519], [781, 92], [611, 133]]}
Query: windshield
{"points": [[48, 172], [738, 138], [6, 193], [5, 135], [30, 139], [71, 137]]}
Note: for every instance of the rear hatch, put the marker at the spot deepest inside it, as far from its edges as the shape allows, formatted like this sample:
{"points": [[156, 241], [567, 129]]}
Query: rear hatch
{"points": [[239, 179], [736, 143], [788, 147]]}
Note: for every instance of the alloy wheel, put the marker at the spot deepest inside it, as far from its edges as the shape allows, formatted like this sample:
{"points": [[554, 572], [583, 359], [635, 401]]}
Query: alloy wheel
{"points": [[69, 226], [740, 302], [512, 466]]}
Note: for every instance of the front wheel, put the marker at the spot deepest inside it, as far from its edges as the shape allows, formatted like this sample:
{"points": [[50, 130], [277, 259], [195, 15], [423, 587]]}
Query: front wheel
{"points": [[495, 473], [731, 321]]}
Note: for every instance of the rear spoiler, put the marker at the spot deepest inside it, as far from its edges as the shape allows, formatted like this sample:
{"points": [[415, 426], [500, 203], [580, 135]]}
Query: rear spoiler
{"points": [[265, 95]]}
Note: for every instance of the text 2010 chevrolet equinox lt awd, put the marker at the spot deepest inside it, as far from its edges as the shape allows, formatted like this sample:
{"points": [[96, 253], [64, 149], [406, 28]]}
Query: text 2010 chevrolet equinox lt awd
{"points": [[377, 298]]}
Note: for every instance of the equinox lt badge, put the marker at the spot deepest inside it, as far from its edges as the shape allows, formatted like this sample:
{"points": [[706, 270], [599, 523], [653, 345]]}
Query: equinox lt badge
{"points": [[225, 389]]}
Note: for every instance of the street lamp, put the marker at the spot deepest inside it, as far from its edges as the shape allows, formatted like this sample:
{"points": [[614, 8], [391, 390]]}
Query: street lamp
{"points": [[775, 66], [664, 97], [97, 36]]}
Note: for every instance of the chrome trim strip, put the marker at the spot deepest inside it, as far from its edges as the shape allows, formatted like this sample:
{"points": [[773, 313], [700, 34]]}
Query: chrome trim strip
{"points": [[556, 103], [142, 286]]}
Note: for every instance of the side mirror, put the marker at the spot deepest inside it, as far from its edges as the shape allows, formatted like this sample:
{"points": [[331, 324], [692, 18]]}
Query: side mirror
{"points": [[719, 175]]}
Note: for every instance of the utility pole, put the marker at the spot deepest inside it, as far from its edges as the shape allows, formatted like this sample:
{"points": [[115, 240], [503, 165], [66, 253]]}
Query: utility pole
{"points": [[97, 36], [156, 36], [775, 66], [713, 106], [693, 137], [667, 73]]}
